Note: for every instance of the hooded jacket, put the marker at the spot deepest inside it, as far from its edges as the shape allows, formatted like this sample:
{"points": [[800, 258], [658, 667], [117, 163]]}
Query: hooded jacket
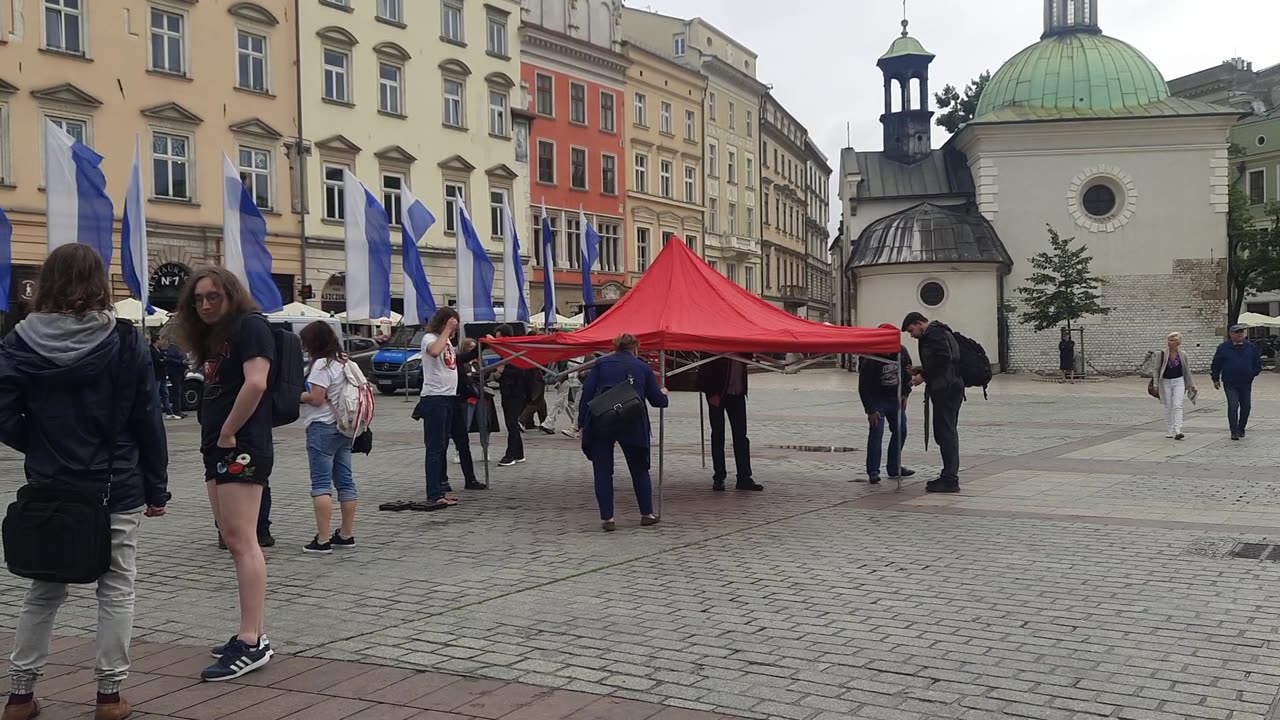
{"points": [[59, 376], [940, 362]]}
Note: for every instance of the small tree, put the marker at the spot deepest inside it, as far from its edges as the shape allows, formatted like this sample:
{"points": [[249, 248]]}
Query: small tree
{"points": [[1061, 290], [960, 109], [1253, 250]]}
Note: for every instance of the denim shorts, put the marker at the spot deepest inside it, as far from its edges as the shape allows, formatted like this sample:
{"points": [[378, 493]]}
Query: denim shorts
{"points": [[329, 454]]}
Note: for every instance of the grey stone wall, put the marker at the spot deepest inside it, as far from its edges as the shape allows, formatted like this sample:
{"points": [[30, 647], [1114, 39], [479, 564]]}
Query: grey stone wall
{"points": [[1144, 310]]}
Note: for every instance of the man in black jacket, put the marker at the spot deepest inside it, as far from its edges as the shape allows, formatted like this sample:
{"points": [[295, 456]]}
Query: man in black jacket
{"points": [[883, 389], [939, 372], [724, 382], [513, 387]]}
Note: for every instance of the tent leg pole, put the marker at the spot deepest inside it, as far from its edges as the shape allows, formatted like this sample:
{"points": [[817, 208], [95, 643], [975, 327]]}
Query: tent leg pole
{"points": [[902, 417], [702, 431], [482, 414], [662, 430]]}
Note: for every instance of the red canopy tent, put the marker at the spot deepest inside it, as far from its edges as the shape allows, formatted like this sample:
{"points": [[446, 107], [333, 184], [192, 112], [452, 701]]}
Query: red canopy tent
{"points": [[681, 304]]}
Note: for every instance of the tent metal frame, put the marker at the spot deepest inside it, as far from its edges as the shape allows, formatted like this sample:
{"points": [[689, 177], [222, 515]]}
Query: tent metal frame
{"points": [[768, 364]]}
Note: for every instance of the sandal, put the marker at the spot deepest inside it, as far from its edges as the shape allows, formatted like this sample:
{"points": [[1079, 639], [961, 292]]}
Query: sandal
{"points": [[450, 501], [428, 507], [397, 506]]}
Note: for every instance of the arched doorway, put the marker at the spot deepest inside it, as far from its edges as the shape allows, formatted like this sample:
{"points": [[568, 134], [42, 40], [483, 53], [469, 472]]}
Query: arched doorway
{"points": [[166, 283], [333, 297]]}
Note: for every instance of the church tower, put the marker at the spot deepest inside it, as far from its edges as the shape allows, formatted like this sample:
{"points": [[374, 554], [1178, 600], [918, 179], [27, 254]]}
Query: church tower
{"points": [[1070, 16], [907, 130]]}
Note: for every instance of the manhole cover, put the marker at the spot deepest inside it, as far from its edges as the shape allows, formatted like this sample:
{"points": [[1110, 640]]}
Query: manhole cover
{"points": [[816, 448], [1256, 551]]}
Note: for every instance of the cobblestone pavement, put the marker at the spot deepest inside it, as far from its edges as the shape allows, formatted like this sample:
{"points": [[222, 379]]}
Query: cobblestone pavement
{"points": [[1083, 572]]}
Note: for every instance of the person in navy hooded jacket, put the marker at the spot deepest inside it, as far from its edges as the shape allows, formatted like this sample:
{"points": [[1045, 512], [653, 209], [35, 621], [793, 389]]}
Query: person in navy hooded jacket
{"points": [[1236, 363], [623, 366]]}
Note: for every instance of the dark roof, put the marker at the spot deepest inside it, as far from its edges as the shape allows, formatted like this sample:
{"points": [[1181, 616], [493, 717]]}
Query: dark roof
{"points": [[928, 233], [943, 172]]}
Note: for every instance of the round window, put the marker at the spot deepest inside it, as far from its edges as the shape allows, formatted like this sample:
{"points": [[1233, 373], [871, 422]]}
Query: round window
{"points": [[1262, 140], [1099, 201], [932, 293]]}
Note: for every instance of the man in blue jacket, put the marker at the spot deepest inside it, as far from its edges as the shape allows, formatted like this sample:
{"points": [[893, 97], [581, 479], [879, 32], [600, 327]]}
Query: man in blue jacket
{"points": [[1235, 365]]}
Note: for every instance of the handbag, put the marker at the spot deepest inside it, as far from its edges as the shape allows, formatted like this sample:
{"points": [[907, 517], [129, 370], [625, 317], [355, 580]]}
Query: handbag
{"points": [[1152, 389], [61, 533], [615, 409], [363, 443]]}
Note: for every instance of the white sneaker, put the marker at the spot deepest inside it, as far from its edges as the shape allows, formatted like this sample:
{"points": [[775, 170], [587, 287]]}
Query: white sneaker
{"points": [[1169, 435], [453, 458]]}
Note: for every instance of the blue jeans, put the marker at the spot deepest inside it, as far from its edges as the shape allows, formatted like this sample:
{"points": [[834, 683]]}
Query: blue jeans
{"points": [[1239, 405], [165, 405], [637, 457], [889, 415], [329, 455], [437, 418]]}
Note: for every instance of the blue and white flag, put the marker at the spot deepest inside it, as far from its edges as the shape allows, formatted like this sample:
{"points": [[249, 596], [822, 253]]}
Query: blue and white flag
{"points": [[368, 241], [133, 234], [590, 253], [514, 303], [76, 204], [244, 241], [475, 273], [548, 270], [6, 260], [419, 303]]}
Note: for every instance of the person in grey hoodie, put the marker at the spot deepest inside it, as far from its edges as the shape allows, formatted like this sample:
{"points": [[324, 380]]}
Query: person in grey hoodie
{"points": [[65, 377]]}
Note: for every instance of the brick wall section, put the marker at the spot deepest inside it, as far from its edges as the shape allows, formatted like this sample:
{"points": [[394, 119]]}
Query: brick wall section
{"points": [[1144, 310]]}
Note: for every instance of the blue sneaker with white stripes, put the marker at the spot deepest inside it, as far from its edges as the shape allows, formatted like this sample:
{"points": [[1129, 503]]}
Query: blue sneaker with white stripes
{"points": [[239, 659], [221, 650]]}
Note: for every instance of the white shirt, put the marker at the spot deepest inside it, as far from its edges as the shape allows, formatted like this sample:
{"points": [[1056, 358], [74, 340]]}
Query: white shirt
{"points": [[439, 374], [329, 375]]}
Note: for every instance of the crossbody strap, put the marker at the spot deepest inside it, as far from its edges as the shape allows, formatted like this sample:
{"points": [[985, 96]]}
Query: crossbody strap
{"points": [[119, 410]]}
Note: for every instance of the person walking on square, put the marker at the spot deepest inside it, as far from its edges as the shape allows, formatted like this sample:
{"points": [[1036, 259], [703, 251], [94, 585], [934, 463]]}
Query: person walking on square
{"points": [[724, 382], [233, 342], [465, 411], [1235, 364], [566, 400], [160, 368], [328, 449], [70, 383], [513, 387], [1174, 383], [939, 372], [622, 366], [176, 367], [883, 389], [436, 405]]}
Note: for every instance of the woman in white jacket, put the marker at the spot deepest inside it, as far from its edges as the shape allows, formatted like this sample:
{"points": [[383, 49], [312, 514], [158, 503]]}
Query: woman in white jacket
{"points": [[1173, 382]]}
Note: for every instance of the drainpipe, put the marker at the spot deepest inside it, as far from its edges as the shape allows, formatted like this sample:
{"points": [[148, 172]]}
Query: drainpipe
{"points": [[298, 148]]}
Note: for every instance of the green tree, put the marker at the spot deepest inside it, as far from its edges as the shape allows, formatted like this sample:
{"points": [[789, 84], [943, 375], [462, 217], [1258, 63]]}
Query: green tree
{"points": [[1061, 289], [960, 109], [1253, 251]]}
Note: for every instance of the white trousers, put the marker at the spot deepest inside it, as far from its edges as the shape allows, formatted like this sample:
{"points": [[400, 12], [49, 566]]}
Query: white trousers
{"points": [[1171, 394]]}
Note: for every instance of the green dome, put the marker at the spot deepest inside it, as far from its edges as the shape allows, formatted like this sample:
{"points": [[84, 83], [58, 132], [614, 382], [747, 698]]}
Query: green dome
{"points": [[905, 45], [1075, 74]]}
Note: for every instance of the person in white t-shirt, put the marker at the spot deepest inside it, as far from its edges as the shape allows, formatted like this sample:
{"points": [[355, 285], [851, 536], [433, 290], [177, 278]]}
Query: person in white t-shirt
{"points": [[328, 449], [435, 407]]}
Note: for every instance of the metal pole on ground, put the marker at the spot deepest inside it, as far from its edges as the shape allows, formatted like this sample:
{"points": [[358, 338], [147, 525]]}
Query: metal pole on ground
{"points": [[902, 417], [662, 429], [482, 413], [702, 431]]}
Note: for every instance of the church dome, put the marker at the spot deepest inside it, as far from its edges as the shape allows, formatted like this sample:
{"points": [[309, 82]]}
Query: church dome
{"points": [[928, 233], [1075, 74]]}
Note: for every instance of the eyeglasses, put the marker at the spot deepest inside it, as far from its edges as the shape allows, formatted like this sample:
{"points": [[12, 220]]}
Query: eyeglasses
{"points": [[213, 298]]}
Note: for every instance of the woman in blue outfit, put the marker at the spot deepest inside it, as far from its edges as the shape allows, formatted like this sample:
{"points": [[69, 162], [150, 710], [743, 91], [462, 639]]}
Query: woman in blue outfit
{"points": [[621, 367]]}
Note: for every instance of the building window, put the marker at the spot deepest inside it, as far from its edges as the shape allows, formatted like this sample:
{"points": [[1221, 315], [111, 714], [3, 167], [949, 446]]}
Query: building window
{"points": [[765, 205], [642, 111], [749, 276], [751, 222], [750, 124], [4, 144], [546, 104], [170, 165], [609, 174], [391, 185], [733, 218], [608, 115], [498, 113], [665, 127], [731, 272], [713, 160], [690, 121], [337, 76], [1257, 188], [733, 165], [932, 294], [77, 129], [642, 249], [453, 194], [577, 103], [1100, 200], [498, 213], [251, 61], [546, 162], [642, 173], [610, 246], [335, 199], [711, 106], [713, 215], [573, 242], [538, 259], [692, 242], [690, 184], [497, 34], [751, 173], [392, 10], [255, 173], [167, 42], [64, 26], [732, 124], [680, 45], [390, 89], [451, 21], [454, 111], [714, 265], [664, 178], [578, 168]]}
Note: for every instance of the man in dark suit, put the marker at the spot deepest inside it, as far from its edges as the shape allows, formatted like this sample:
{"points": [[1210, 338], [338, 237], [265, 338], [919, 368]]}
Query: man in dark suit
{"points": [[724, 382]]}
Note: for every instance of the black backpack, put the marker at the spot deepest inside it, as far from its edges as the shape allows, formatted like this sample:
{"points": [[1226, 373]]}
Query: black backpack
{"points": [[287, 378], [974, 365]]}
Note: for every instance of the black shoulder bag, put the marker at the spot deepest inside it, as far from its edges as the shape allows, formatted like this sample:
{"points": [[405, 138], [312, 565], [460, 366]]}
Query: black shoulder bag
{"points": [[615, 409], [58, 532]]}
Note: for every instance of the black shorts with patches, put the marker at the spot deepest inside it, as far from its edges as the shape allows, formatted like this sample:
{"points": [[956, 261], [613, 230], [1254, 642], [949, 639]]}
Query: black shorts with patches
{"points": [[222, 465]]}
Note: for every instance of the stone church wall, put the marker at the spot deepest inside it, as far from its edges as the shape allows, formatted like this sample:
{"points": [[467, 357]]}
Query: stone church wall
{"points": [[1144, 310]]}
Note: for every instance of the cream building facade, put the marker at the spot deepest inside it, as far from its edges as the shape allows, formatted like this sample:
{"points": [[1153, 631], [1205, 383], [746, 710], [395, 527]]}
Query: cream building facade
{"points": [[731, 108], [664, 197], [784, 182], [190, 81], [416, 94], [817, 234]]}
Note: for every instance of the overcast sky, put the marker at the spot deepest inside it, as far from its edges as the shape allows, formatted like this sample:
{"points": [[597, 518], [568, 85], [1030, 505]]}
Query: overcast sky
{"points": [[820, 55]]}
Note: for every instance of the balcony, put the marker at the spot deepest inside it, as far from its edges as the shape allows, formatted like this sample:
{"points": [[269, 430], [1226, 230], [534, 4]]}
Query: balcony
{"points": [[794, 294], [751, 246]]}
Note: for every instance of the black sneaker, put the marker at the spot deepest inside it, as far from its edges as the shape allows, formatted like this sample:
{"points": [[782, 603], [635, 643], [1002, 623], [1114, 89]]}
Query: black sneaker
{"points": [[903, 473], [1235, 437], [340, 542], [750, 486], [717, 485], [266, 540], [942, 486], [221, 650], [874, 479], [238, 660], [317, 548], [1241, 433], [475, 486], [506, 462]]}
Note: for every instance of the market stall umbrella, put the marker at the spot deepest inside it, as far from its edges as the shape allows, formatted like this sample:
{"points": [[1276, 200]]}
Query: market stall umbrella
{"points": [[131, 309], [297, 309], [376, 322], [1258, 320]]}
